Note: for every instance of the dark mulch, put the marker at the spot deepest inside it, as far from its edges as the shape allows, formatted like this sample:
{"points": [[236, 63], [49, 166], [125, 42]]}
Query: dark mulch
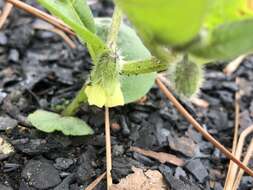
{"points": [[38, 70]]}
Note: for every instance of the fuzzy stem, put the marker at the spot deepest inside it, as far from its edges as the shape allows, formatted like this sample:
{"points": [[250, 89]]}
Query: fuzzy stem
{"points": [[72, 108], [150, 65], [143, 66]]}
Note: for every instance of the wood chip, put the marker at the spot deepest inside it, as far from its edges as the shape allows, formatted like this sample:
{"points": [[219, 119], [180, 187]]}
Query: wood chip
{"points": [[140, 180], [160, 156], [199, 102], [233, 65]]}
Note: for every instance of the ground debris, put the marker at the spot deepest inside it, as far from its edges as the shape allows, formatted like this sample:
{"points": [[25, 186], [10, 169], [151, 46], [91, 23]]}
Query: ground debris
{"points": [[140, 180], [160, 156], [183, 145], [6, 149]]}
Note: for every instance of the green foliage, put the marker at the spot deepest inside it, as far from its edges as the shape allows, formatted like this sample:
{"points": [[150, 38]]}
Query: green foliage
{"points": [[130, 48], [79, 19], [50, 122], [173, 22], [85, 14], [186, 77], [225, 11], [226, 41]]}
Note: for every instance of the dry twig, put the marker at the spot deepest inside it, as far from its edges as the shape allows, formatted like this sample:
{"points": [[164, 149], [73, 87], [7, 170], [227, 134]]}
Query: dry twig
{"points": [[238, 153], [6, 12], [235, 139], [95, 182], [198, 127], [160, 156], [246, 162]]}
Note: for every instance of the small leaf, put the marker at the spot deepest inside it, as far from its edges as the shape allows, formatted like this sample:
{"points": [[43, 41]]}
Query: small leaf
{"points": [[168, 22], [227, 41], [78, 19], [50, 122], [130, 47]]}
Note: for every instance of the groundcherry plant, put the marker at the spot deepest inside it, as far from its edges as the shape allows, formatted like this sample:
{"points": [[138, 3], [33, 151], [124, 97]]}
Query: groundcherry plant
{"points": [[175, 36]]}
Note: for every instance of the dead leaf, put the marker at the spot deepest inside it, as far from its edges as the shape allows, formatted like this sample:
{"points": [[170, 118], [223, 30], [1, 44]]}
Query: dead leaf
{"points": [[160, 156], [140, 180]]}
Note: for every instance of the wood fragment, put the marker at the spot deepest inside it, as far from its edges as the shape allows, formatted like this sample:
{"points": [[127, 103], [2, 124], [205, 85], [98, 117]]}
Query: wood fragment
{"points": [[62, 34], [5, 13], [95, 182], [199, 102], [233, 65], [160, 156], [199, 128], [142, 180]]}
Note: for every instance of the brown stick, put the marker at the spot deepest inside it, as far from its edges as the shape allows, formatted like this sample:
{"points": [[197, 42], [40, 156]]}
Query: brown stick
{"points": [[108, 149], [95, 182], [198, 127], [6, 12], [42, 15]]}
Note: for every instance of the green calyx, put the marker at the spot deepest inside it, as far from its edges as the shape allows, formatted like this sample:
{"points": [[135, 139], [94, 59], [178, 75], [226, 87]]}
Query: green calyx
{"points": [[104, 88]]}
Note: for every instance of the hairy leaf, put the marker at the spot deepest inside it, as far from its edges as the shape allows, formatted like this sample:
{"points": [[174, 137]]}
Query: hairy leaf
{"points": [[50, 122], [130, 48], [226, 41], [79, 19], [168, 22]]}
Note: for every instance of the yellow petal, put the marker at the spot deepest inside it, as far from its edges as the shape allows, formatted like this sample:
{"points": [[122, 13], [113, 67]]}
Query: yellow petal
{"points": [[96, 95], [116, 99]]}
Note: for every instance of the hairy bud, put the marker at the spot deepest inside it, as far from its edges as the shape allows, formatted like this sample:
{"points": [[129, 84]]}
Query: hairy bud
{"points": [[186, 78]]}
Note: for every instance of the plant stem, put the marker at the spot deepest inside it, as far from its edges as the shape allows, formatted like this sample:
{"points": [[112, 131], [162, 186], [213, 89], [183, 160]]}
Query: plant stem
{"points": [[114, 30], [79, 99], [143, 66], [108, 149], [111, 43]]}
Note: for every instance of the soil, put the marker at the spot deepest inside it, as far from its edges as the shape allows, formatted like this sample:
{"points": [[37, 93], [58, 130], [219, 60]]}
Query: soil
{"points": [[39, 71]]}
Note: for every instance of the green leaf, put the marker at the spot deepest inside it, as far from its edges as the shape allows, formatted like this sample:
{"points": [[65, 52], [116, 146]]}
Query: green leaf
{"points": [[79, 20], [50, 122], [85, 14], [227, 41], [168, 22], [224, 11], [130, 47]]}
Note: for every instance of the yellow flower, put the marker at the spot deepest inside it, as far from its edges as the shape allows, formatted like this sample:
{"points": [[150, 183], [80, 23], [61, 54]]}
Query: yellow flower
{"points": [[97, 96]]}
